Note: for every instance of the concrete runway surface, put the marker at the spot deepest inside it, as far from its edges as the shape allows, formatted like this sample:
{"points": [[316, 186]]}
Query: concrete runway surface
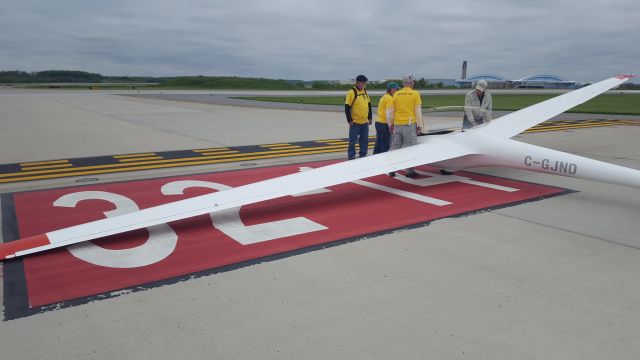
{"points": [[549, 279]]}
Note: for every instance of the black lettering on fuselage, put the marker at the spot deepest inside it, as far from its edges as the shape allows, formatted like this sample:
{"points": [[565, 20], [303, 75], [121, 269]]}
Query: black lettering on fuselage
{"points": [[555, 166], [545, 164]]}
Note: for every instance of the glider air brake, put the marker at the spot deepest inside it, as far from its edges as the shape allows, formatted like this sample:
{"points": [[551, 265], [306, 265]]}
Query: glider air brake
{"points": [[485, 145]]}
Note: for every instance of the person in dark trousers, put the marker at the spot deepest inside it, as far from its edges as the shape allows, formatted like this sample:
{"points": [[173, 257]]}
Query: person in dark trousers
{"points": [[357, 108], [383, 136]]}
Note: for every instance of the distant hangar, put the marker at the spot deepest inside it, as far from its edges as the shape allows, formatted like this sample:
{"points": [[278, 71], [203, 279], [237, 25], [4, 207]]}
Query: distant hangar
{"points": [[540, 81]]}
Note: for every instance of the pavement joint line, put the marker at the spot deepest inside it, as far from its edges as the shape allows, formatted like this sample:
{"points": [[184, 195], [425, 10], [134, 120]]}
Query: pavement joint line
{"points": [[497, 212]]}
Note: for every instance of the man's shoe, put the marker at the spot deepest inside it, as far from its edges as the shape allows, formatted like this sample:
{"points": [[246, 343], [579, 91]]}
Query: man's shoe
{"points": [[445, 172], [392, 174], [412, 174]]}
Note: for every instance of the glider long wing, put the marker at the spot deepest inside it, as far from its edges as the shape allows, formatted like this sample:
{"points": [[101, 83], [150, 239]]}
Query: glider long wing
{"points": [[433, 150], [516, 122]]}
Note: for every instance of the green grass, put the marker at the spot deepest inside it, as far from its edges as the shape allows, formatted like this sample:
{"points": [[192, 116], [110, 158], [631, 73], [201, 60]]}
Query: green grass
{"points": [[626, 104]]}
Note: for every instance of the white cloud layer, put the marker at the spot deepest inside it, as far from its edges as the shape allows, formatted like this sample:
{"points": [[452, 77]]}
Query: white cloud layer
{"points": [[323, 39]]}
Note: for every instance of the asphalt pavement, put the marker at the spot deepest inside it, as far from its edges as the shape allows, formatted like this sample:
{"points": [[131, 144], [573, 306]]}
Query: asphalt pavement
{"points": [[549, 279]]}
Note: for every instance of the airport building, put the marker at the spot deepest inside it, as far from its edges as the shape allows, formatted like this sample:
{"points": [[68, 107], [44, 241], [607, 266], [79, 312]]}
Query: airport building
{"points": [[541, 81], [544, 81]]}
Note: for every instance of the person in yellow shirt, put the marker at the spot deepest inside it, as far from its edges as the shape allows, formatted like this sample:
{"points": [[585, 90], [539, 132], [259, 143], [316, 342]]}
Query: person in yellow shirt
{"points": [[383, 136], [357, 108], [404, 116]]}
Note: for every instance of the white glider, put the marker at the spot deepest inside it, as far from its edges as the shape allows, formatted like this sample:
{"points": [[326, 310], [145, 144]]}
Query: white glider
{"points": [[485, 145]]}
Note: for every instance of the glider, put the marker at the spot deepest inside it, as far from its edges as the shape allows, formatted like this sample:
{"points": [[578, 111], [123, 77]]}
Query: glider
{"points": [[485, 145]]}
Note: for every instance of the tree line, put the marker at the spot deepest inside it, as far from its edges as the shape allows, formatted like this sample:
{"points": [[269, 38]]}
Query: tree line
{"points": [[65, 76], [73, 76]]}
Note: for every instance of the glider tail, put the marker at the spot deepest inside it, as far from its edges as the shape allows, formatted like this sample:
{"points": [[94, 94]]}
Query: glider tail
{"points": [[535, 158]]}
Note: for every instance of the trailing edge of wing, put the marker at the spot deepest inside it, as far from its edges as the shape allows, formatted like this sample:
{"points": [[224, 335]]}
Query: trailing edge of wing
{"points": [[431, 150], [519, 121]]}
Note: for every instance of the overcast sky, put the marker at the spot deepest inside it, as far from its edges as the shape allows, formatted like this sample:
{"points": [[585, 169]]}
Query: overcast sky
{"points": [[324, 39]]}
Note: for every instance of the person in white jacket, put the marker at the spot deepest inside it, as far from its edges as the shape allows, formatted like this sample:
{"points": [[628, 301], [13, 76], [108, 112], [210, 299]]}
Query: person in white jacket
{"points": [[478, 105]]}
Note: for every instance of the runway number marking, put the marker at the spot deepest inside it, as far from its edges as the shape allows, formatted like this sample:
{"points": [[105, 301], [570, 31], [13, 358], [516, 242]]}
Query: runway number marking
{"points": [[162, 239], [236, 236]]}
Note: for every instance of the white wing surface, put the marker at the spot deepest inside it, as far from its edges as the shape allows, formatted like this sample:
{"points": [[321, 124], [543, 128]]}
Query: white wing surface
{"points": [[435, 149], [521, 120]]}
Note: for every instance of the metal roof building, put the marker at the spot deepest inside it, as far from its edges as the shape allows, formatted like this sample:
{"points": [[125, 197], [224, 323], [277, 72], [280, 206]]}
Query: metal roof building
{"points": [[540, 81], [495, 81], [544, 81]]}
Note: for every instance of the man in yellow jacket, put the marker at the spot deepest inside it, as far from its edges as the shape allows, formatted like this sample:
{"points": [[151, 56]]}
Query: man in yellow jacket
{"points": [[404, 116], [357, 108], [383, 136]]}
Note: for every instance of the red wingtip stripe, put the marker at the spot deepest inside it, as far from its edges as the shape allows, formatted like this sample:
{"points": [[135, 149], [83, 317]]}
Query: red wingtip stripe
{"points": [[9, 250], [627, 76]]}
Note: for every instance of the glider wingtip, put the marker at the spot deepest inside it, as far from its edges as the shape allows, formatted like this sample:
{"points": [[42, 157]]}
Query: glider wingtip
{"points": [[625, 76], [11, 249]]}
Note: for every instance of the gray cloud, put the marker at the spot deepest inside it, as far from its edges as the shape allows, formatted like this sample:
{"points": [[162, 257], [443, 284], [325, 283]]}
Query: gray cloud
{"points": [[322, 39]]}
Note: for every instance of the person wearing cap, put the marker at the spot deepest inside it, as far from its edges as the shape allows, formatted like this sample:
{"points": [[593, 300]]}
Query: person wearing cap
{"points": [[478, 105], [357, 108], [404, 116], [383, 136]]}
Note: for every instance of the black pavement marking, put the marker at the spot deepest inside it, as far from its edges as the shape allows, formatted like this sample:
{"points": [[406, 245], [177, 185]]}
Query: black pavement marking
{"points": [[180, 154], [93, 161]]}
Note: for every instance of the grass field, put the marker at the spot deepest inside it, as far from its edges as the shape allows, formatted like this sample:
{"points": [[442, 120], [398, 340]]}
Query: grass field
{"points": [[625, 104], [228, 82]]}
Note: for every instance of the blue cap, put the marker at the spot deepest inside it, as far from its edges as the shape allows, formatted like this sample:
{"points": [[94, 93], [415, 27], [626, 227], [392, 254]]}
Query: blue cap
{"points": [[392, 85], [361, 78]]}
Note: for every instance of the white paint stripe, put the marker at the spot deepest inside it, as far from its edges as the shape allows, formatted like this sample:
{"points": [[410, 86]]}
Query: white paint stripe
{"points": [[488, 185], [406, 194], [437, 179]]}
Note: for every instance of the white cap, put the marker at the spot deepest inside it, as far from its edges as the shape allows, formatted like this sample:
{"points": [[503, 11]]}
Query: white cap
{"points": [[408, 78], [481, 85]]}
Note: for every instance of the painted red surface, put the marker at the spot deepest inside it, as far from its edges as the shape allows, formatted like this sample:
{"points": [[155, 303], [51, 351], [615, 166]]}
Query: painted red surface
{"points": [[348, 211], [9, 250]]}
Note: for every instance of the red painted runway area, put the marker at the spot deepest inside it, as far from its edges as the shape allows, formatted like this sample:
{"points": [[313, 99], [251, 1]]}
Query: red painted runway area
{"points": [[341, 212]]}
